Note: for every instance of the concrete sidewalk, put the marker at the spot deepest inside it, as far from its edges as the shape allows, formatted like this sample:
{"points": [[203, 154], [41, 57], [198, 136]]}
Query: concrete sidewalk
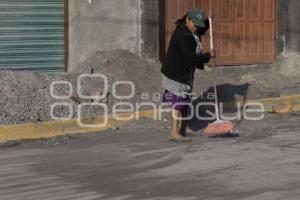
{"points": [[29, 117], [138, 162]]}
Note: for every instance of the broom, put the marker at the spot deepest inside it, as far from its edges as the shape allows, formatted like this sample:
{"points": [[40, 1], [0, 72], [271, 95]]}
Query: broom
{"points": [[219, 127]]}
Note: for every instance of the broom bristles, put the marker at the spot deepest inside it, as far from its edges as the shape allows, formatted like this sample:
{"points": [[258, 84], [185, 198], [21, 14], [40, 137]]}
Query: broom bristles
{"points": [[218, 128]]}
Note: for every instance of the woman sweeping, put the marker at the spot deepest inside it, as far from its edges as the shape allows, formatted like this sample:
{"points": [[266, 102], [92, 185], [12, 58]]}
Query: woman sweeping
{"points": [[183, 57]]}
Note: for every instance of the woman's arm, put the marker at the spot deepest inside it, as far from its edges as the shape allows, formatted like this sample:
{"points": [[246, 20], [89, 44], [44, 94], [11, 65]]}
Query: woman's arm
{"points": [[187, 45]]}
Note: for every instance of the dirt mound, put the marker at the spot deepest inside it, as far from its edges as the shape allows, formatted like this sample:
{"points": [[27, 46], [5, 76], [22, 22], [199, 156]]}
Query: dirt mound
{"points": [[124, 66], [25, 95]]}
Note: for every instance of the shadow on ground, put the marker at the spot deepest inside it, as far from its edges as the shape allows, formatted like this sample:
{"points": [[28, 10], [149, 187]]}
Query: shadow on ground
{"points": [[203, 109]]}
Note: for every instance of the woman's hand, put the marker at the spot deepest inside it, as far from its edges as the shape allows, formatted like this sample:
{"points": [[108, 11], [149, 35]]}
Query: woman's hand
{"points": [[210, 14]]}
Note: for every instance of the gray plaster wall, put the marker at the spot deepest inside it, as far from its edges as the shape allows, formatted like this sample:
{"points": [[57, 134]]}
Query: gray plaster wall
{"points": [[288, 27], [98, 25], [150, 29], [288, 36], [293, 26]]}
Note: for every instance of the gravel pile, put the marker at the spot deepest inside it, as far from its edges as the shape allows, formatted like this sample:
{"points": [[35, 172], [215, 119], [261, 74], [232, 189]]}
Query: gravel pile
{"points": [[25, 96], [124, 66]]}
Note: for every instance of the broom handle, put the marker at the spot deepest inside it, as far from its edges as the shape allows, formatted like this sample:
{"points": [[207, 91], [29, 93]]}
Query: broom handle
{"points": [[214, 69]]}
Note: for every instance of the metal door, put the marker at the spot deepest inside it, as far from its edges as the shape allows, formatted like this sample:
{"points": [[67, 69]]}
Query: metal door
{"points": [[32, 35]]}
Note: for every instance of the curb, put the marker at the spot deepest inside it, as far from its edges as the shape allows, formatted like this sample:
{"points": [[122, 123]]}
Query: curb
{"points": [[68, 127], [286, 104]]}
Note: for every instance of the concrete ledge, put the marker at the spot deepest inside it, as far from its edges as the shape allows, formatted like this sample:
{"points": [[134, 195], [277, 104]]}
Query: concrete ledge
{"points": [[50, 129], [66, 127], [285, 104]]}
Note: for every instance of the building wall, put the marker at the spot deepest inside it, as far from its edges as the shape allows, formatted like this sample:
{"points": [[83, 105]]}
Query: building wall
{"points": [[103, 25], [150, 29], [134, 26], [288, 36], [293, 26]]}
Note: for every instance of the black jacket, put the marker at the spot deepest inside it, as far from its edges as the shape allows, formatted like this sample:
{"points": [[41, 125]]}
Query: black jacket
{"points": [[181, 55]]}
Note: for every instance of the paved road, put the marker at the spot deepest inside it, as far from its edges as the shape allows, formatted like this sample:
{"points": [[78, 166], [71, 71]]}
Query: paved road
{"points": [[137, 162]]}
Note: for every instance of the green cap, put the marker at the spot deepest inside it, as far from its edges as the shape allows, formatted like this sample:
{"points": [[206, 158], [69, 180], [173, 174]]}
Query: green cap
{"points": [[197, 16]]}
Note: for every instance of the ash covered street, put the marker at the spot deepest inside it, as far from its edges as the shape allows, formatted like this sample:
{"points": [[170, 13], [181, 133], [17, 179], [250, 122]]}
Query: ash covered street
{"points": [[138, 162], [74, 73]]}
